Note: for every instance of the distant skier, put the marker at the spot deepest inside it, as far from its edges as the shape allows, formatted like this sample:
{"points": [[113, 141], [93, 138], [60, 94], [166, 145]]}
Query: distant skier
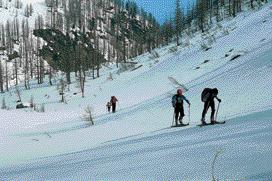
{"points": [[113, 102], [177, 102], [207, 97], [108, 106]]}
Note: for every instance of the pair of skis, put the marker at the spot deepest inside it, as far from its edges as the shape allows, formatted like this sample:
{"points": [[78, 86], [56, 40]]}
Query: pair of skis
{"points": [[180, 125], [209, 124], [199, 125]]}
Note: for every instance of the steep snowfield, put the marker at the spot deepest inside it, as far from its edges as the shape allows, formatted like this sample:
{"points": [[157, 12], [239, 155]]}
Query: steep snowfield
{"points": [[133, 143], [10, 12]]}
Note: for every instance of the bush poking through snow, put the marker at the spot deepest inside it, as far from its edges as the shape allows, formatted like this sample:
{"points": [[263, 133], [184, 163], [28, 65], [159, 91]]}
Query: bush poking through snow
{"points": [[31, 101], [39, 109], [155, 54], [42, 109], [61, 88], [18, 94], [35, 107], [110, 77], [88, 117], [3, 106], [219, 25], [225, 31], [126, 66], [173, 49], [204, 46]]}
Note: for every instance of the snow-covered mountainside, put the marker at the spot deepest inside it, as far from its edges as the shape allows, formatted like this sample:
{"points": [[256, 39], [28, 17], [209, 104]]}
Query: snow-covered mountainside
{"points": [[134, 143], [9, 10]]}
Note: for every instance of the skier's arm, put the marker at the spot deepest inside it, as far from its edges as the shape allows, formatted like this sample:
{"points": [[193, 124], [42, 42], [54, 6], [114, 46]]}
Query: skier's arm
{"points": [[174, 101], [188, 102], [219, 100]]}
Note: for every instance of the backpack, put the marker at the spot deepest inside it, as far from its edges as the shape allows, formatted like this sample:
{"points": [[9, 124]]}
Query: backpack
{"points": [[113, 99], [205, 94]]}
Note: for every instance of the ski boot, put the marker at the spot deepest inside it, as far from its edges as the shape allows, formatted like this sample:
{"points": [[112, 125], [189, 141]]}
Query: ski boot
{"points": [[213, 121], [180, 122], [177, 124], [203, 121]]}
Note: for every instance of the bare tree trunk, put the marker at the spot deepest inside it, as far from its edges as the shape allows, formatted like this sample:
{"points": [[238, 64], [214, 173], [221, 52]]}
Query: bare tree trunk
{"points": [[16, 71], [1, 78], [50, 76], [7, 83], [68, 77]]}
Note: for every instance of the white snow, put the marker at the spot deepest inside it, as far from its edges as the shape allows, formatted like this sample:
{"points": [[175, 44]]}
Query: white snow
{"points": [[10, 13], [133, 144]]}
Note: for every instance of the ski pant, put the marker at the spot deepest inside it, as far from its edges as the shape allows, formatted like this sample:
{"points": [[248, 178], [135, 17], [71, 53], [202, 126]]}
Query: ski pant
{"points": [[179, 113], [206, 107], [113, 107], [109, 108]]}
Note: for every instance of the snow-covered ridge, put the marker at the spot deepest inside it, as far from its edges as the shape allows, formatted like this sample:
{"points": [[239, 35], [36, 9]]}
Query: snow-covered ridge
{"points": [[133, 144]]}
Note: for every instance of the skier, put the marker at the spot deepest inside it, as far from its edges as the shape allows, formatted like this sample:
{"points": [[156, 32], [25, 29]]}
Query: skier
{"points": [[177, 102], [108, 106], [113, 102], [207, 97]]}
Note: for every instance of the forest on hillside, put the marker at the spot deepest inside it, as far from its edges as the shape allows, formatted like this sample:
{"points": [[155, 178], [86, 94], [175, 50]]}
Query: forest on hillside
{"points": [[79, 36]]}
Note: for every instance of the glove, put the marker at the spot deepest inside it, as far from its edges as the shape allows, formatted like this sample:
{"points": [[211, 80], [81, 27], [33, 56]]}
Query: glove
{"points": [[219, 100]]}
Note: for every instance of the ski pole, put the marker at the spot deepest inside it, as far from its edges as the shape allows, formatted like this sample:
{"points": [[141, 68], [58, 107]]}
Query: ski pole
{"points": [[189, 114], [217, 111]]}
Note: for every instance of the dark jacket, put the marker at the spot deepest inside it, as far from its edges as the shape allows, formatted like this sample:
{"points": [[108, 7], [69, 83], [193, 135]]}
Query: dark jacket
{"points": [[177, 100], [113, 100]]}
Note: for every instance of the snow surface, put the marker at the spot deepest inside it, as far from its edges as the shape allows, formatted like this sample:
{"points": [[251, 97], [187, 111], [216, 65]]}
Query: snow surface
{"points": [[10, 13], [134, 144]]}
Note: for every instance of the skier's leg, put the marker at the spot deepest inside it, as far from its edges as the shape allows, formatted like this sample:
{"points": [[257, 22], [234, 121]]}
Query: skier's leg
{"points": [[113, 107], [181, 115], [212, 104], [205, 109], [176, 115]]}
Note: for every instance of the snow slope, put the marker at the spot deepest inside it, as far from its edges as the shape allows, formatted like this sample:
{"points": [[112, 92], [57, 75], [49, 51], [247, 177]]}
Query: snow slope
{"points": [[10, 12], [176, 154], [133, 143]]}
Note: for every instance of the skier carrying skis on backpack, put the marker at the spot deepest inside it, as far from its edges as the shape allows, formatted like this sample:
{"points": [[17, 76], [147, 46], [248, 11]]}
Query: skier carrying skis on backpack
{"points": [[177, 102], [208, 95]]}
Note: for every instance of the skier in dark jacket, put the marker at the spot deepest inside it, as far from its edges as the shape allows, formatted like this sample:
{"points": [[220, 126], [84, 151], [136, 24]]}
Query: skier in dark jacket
{"points": [[177, 102], [113, 102], [209, 102]]}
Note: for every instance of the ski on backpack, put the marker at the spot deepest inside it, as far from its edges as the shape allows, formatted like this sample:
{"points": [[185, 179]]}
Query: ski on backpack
{"points": [[178, 84]]}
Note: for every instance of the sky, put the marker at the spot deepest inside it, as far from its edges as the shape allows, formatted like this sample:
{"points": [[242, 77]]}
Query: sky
{"points": [[161, 9]]}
